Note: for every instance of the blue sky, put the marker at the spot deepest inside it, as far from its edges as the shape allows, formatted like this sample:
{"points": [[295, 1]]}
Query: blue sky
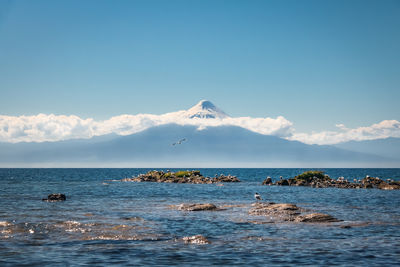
{"points": [[317, 63]]}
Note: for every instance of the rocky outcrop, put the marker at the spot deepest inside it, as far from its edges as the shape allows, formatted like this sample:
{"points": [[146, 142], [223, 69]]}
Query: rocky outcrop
{"points": [[193, 177], [288, 212], [196, 239], [55, 197], [197, 207], [374, 182], [318, 179]]}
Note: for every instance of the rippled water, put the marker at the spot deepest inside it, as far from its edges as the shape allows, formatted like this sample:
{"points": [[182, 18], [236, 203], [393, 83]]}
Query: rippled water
{"points": [[105, 222]]}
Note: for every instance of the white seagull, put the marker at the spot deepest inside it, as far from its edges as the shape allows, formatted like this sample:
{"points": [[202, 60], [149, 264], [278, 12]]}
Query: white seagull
{"points": [[257, 196]]}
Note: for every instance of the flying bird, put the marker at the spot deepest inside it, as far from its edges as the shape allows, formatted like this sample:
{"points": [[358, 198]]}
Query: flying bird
{"points": [[257, 196], [179, 142]]}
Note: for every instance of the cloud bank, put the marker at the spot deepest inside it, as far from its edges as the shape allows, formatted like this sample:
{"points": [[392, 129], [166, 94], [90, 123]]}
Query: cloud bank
{"points": [[42, 127], [384, 129]]}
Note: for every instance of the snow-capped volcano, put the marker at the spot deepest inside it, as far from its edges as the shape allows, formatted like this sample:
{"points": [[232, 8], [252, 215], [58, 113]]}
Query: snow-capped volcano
{"points": [[205, 110]]}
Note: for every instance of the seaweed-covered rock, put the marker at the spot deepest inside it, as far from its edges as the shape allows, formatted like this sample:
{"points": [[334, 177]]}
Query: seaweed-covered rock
{"points": [[193, 177], [310, 176]]}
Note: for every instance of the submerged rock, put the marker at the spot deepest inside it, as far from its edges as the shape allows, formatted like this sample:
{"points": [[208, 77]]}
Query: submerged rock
{"points": [[196, 239], [192, 177], [55, 197], [351, 225], [282, 211], [288, 212], [197, 207], [316, 218]]}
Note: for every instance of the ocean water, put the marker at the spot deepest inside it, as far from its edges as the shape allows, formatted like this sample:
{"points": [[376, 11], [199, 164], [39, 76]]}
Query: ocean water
{"points": [[107, 222]]}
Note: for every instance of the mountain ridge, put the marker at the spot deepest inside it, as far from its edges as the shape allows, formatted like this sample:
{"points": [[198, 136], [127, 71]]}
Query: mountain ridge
{"points": [[386, 147], [212, 146]]}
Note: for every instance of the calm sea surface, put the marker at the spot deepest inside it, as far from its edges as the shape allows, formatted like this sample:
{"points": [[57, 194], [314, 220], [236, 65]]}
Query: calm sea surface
{"points": [[105, 222]]}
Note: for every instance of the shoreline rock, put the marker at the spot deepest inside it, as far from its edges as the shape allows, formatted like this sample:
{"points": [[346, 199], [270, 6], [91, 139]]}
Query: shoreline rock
{"points": [[191, 177]]}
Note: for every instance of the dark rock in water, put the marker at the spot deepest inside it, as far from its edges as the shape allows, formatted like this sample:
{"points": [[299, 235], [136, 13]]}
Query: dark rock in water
{"points": [[225, 179], [282, 182], [55, 197], [192, 177], [197, 207], [300, 183], [267, 181], [316, 218], [196, 239]]}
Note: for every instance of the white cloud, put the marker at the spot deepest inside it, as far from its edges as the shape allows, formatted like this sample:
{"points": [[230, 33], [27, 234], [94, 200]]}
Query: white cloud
{"points": [[384, 129], [40, 128], [43, 127]]}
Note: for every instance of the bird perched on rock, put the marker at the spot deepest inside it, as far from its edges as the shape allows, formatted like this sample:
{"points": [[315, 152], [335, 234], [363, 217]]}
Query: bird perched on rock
{"points": [[257, 196]]}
